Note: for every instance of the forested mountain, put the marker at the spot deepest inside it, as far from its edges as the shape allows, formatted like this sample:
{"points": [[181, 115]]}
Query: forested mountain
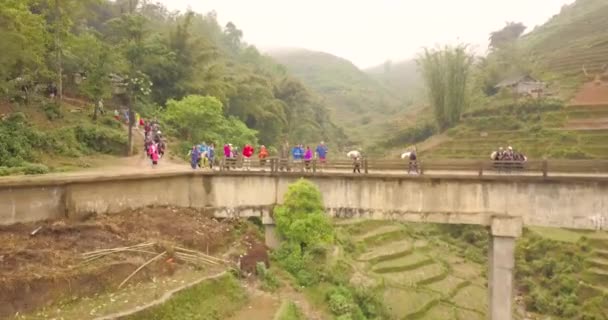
{"points": [[140, 54], [402, 78], [359, 103]]}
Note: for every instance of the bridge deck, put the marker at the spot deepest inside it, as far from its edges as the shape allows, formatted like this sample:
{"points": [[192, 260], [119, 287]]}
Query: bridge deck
{"points": [[555, 170], [148, 172]]}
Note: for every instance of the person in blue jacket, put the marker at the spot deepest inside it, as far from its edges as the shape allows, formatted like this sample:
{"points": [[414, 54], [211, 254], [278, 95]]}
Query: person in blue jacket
{"points": [[321, 152], [202, 149], [297, 153], [211, 155], [194, 156]]}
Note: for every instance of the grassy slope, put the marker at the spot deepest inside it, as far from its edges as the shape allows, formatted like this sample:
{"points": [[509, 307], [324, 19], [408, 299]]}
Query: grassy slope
{"points": [[213, 299], [577, 36], [359, 103], [289, 311], [72, 140]]}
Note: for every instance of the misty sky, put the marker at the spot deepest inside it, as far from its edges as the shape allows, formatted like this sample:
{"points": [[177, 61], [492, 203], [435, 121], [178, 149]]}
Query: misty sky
{"points": [[370, 32]]}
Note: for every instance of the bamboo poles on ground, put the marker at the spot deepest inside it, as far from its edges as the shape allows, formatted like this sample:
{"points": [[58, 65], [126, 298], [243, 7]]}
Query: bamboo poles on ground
{"points": [[198, 254], [186, 255], [141, 267], [195, 259], [101, 251], [183, 254], [97, 254]]}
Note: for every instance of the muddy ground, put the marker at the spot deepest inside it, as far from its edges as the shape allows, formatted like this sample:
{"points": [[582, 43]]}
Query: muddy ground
{"points": [[46, 268]]}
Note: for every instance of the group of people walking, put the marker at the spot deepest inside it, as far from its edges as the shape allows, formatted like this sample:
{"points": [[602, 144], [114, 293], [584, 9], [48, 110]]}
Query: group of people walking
{"points": [[302, 156], [507, 160], [154, 144], [507, 155], [203, 156], [299, 156], [232, 154]]}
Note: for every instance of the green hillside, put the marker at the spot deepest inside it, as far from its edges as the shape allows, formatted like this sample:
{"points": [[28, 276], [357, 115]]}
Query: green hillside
{"points": [[139, 55], [56, 137], [575, 37], [556, 53], [538, 129], [400, 77], [363, 106]]}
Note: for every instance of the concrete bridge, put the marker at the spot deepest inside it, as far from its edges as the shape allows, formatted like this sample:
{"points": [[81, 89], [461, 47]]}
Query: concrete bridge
{"points": [[503, 203]]}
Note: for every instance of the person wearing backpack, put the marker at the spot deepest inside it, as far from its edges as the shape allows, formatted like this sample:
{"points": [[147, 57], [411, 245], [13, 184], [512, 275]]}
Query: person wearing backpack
{"points": [[413, 164]]}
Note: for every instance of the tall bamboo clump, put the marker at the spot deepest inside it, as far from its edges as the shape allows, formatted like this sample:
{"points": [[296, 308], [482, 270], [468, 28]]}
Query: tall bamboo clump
{"points": [[446, 72]]}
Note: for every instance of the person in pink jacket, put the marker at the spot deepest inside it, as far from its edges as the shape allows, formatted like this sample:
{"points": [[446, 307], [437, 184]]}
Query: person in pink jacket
{"points": [[153, 152], [155, 157], [229, 157], [308, 158], [227, 151]]}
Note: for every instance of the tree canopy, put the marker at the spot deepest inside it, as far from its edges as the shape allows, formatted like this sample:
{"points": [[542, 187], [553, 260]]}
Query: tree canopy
{"points": [[301, 218], [22, 46], [201, 118], [161, 57], [446, 72], [506, 58], [511, 32]]}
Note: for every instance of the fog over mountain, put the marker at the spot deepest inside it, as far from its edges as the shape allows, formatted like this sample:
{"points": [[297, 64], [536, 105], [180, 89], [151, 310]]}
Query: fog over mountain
{"points": [[370, 32]]}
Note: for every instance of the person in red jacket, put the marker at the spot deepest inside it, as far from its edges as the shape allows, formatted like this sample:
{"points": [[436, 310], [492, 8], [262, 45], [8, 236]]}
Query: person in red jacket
{"points": [[247, 153]]}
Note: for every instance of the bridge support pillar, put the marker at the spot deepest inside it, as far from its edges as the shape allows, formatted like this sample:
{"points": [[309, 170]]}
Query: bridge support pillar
{"points": [[271, 237], [505, 230]]}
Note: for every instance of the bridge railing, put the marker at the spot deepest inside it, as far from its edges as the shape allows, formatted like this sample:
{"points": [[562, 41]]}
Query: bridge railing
{"points": [[583, 166], [481, 167]]}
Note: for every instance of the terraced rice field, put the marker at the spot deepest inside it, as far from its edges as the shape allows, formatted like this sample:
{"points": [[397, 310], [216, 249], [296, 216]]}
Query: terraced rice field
{"points": [[421, 280], [573, 132], [426, 278], [594, 279], [596, 276]]}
